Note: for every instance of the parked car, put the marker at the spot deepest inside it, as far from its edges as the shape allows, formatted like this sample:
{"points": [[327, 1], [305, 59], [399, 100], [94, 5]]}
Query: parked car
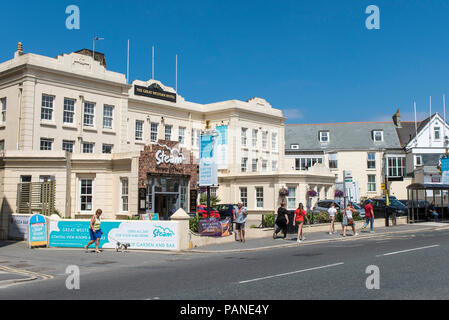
{"points": [[201, 211], [227, 210], [396, 208], [324, 205]]}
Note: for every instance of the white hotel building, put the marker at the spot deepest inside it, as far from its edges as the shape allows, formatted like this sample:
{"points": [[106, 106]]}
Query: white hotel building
{"points": [[71, 120]]}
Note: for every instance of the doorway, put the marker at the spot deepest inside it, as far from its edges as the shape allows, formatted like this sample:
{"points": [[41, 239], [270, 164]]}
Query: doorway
{"points": [[165, 205]]}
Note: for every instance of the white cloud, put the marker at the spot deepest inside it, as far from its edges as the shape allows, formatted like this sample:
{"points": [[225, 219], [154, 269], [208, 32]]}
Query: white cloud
{"points": [[293, 114]]}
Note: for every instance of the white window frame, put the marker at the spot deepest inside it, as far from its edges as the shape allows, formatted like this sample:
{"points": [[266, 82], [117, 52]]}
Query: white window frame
{"points": [[255, 136], [291, 198], [264, 165], [182, 135], [394, 168], [68, 116], [87, 144], [254, 165], [264, 140], [3, 110], [244, 196], [244, 139], [372, 185], [294, 146], [274, 141], [107, 145], [124, 195], [418, 156], [370, 161], [259, 199], [324, 136], [274, 165], [333, 157], [305, 162], [168, 132], [47, 107], [49, 143], [375, 135], [435, 130], [68, 142], [244, 165], [81, 195], [139, 130], [154, 131], [108, 116], [89, 114]]}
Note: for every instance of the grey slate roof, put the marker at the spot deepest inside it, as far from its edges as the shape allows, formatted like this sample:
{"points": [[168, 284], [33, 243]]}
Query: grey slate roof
{"points": [[407, 132], [343, 136]]}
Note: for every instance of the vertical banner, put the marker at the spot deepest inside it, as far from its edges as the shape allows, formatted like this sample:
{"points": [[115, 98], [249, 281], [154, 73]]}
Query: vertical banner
{"points": [[222, 147], [37, 233], [445, 170], [208, 166]]}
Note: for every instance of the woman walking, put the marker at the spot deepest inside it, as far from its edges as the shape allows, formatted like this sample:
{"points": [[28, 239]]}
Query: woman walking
{"points": [[332, 211], [95, 231], [300, 213], [281, 222], [348, 220]]}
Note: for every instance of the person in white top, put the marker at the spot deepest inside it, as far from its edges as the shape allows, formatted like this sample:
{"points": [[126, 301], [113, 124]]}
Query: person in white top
{"points": [[348, 220], [332, 211]]}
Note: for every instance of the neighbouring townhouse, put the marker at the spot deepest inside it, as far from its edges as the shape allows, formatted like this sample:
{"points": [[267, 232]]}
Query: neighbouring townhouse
{"points": [[370, 150], [424, 143], [132, 148]]}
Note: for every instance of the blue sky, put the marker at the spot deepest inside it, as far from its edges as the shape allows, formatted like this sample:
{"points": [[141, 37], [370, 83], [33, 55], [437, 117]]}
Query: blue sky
{"points": [[315, 60]]}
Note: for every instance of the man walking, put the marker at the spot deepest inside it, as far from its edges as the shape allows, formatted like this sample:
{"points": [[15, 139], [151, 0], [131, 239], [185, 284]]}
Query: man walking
{"points": [[240, 216], [369, 216], [281, 221]]}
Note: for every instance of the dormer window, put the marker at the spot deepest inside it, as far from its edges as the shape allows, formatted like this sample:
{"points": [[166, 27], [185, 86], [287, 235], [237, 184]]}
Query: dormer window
{"points": [[378, 135], [324, 136], [294, 146]]}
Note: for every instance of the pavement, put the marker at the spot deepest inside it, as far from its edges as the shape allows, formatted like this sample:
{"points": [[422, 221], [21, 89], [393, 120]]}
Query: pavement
{"points": [[315, 237]]}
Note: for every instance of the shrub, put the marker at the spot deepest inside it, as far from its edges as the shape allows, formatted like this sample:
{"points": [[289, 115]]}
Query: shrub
{"points": [[193, 223], [268, 220]]}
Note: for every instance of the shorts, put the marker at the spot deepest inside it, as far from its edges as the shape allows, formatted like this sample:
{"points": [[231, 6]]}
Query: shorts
{"points": [[299, 222], [94, 235], [239, 226]]}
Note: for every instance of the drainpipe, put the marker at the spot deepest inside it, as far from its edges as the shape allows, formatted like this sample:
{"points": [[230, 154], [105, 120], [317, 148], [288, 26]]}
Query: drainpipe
{"points": [[20, 115]]}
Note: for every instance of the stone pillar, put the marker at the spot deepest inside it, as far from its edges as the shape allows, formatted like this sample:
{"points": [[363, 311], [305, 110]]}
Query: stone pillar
{"points": [[183, 219]]}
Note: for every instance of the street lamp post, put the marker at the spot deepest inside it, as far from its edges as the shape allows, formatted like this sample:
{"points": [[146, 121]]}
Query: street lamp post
{"points": [[93, 46]]}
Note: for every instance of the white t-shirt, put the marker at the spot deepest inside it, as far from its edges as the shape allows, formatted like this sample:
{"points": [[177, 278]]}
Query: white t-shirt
{"points": [[349, 214], [332, 211]]}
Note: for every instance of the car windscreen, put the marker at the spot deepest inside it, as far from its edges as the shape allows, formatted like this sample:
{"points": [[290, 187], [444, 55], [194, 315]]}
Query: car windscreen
{"points": [[396, 203]]}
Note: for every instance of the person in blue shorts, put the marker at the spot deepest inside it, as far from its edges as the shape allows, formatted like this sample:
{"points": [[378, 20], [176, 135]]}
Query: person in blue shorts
{"points": [[95, 231]]}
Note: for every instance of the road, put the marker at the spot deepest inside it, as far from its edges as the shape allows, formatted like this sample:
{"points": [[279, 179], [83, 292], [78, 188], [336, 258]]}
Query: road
{"points": [[411, 265]]}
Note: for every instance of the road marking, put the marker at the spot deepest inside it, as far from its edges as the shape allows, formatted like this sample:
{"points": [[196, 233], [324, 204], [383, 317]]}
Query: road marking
{"points": [[294, 272], [403, 251], [26, 273]]}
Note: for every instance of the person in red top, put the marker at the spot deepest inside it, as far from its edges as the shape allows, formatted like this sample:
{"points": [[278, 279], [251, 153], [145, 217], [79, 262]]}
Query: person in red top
{"points": [[300, 213], [369, 216]]}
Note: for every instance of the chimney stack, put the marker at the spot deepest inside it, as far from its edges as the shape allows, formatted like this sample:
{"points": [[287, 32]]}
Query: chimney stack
{"points": [[397, 119]]}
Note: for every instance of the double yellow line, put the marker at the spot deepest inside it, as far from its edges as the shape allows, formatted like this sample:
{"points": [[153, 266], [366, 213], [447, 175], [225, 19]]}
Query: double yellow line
{"points": [[27, 273]]}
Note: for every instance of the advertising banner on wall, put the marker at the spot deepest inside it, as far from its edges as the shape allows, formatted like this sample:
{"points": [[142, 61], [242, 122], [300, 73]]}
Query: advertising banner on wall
{"points": [[148, 235], [213, 227], [208, 166], [18, 226], [37, 232], [222, 147]]}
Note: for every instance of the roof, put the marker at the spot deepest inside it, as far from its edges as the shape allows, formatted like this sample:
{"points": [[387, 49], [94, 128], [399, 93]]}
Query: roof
{"points": [[407, 132], [343, 136], [100, 57], [429, 186]]}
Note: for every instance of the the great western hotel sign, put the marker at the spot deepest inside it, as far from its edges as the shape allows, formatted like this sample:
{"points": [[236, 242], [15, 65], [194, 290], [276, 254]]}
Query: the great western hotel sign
{"points": [[156, 92]]}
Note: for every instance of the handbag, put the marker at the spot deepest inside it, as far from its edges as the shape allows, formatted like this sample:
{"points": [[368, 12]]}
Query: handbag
{"points": [[345, 221]]}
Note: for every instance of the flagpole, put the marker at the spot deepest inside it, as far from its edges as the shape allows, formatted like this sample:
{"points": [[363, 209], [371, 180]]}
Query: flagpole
{"points": [[416, 126], [127, 66], [152, 64], [176, 73]]}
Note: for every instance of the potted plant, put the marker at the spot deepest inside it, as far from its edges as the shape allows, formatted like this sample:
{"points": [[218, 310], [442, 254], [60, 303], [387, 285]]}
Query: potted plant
{"points": [[312, 193], [283, 192], [339, 194]]}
